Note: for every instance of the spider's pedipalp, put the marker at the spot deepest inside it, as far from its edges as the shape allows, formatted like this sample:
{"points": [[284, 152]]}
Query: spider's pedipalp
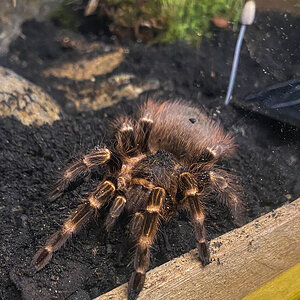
{"points": [[80, 169], [103, 193], [116, 209], [136, 224], [192, 201], [150, 222]]}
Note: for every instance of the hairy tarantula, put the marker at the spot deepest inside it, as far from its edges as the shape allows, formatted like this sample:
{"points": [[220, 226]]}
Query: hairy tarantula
{"points": [[162, 162]]}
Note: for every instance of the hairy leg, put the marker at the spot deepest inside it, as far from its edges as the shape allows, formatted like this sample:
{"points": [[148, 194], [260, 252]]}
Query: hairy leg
{"points": [[147, 231], [103, 193], [192, 202], [80, 169], [228, 193], [132, 137], [116, 209]]}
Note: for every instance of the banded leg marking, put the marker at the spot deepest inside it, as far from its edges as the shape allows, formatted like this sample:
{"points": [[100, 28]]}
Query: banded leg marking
{"points": [[142, 182], [80, 169], [126, 137], [150, 223], [116, 209], [135, 226], [228, 192], [146, 124], [103, 193], [192, 199]]}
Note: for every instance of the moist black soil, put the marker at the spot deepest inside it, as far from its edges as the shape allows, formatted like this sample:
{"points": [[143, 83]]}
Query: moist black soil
{"points": [[266, 161]]}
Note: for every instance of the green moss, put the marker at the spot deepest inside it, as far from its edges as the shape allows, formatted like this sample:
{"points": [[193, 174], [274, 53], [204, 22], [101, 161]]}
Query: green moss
{"points": [[175, 19], [190, 20]]}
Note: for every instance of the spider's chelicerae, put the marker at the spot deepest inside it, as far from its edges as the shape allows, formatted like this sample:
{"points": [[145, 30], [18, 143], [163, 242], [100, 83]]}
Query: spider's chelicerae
{"points": [[162, 162]]}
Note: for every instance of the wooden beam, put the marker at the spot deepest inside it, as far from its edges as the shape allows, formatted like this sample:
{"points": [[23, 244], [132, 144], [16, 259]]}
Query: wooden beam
{"points": [[284, 286], [242, 261]]}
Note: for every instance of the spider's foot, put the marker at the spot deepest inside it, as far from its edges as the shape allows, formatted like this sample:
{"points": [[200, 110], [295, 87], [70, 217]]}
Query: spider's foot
{"points": [[203, 253], [166, 240], [132, 295], [55, 193], [135, 285], [41, 258]]}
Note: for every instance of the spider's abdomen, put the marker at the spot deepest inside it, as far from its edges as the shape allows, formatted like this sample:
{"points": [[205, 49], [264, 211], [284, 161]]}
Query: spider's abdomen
{"points": [[186, 131]]}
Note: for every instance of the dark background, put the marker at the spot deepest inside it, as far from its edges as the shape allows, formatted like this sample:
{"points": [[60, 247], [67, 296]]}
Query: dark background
{"points": [[266, 162]]}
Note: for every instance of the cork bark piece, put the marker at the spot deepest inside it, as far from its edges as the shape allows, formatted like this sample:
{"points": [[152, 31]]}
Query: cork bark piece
{"points": [[25, 101]]}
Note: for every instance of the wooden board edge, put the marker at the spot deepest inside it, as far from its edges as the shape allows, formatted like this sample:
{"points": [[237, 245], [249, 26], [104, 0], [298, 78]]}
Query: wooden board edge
{"points": [[242, 260]]}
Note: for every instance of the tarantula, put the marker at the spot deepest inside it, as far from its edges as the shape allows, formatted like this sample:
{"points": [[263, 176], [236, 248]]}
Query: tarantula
{"points": [[162, 162]]}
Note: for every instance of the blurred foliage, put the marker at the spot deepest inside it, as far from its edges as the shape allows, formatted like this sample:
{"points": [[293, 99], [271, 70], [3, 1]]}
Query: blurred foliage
{"points": [[190, 20], [66, 16], [168, 20]]}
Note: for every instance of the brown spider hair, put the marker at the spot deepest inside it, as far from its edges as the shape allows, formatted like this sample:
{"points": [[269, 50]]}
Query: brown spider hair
{"points": [[162, 161]]}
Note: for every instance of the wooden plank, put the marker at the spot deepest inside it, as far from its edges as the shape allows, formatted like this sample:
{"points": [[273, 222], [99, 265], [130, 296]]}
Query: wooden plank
{"points": [[284, 286], [242, 261]]}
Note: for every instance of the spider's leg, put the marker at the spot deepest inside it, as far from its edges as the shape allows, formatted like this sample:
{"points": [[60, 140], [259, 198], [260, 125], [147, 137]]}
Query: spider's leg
{"points": [[132, 138], [209, 156], [116, 209], [228, 194], [103, 193], [125, 137], [149, 226], [135, 226], [79, 170], [192, 202], [224, 147], [144, 127]]}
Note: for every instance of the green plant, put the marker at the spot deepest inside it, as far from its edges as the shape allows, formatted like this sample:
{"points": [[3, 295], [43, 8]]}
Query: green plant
{"points": [[170, 20], [191, 19]]}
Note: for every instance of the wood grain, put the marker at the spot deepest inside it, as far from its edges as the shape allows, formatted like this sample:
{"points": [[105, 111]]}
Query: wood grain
{"points": [[242, 261]]}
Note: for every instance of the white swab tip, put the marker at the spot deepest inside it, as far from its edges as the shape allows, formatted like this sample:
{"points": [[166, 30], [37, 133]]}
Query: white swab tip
{"points": [[248, 13]]}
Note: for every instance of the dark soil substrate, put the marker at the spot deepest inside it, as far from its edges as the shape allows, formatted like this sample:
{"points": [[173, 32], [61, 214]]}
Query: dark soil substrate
{"points": [[266, 162]]}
